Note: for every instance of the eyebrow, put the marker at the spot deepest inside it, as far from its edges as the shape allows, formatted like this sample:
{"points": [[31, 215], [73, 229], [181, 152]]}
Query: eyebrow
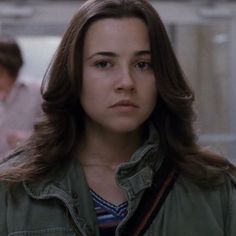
{"points": [[112, 54], [143, 52]]}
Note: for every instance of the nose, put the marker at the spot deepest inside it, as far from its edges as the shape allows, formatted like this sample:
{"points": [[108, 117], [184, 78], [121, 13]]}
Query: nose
{"points": [[125, 82]]}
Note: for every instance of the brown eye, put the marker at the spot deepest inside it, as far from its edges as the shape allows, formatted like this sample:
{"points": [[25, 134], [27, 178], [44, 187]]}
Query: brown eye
{"points": [[103, 64], [143, 65]]}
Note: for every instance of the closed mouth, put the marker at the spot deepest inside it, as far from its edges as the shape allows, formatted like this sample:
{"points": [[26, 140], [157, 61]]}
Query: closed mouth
{"points": [[124, 103]]}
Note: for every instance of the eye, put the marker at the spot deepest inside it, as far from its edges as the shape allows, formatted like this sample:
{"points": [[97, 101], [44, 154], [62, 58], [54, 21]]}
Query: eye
{"points": [[143, 65], [103, 64]]}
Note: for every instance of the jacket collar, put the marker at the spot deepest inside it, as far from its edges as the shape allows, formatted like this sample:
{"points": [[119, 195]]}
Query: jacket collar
{"points": [[69, 186], [134, 175], [137, 174]]}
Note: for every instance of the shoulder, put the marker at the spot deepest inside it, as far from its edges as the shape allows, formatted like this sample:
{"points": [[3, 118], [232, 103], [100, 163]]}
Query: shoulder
{"points": [[212, 203], [3, 193], [3, 207], [13, 199], [226, 187], [6, 189], [11, 165], [228, 191], [220, 199]]}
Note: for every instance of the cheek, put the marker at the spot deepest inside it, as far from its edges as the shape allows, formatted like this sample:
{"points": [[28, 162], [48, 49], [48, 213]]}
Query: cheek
{"points": [[150, 92], [152, 99], [87, 96], [91, 96]]}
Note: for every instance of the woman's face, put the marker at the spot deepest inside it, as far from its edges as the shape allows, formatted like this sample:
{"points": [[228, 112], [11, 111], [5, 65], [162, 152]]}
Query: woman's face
{"points": [[118, 87]]}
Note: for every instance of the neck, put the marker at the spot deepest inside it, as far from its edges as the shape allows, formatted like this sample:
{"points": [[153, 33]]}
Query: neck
{"points": [[107, 148]]}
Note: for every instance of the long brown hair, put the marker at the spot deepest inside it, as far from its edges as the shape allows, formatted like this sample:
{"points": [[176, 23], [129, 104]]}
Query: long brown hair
{"points": [[56, 136]]}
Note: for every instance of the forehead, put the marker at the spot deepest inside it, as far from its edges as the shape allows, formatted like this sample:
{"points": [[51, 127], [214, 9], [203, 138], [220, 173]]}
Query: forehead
{"points": [[112, 34]]}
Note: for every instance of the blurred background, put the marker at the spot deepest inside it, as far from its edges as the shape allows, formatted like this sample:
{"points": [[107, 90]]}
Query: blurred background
{"points": [[203, 34]]}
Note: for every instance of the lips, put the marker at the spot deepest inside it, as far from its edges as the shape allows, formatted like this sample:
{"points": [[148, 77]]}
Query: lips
{"points": [[124, 103]]}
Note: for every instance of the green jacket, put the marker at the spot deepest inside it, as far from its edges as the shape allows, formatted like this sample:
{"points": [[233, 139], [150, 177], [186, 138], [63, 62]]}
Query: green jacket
{"points": [[62, 206]]}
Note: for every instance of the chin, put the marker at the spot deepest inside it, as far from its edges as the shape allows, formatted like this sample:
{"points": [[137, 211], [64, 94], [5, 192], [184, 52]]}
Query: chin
{"points": [[126, 127]]}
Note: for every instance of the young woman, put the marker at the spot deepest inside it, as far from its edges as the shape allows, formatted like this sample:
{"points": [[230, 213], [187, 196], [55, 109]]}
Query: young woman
{"points": [[116, 153]]}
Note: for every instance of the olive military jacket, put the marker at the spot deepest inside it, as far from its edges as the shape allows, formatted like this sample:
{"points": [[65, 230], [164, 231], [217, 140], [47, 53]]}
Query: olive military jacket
{"points": [[62, 205]]}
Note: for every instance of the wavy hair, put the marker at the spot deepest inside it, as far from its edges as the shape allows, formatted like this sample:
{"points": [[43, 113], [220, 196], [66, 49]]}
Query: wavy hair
{"points": [[56, 136]]}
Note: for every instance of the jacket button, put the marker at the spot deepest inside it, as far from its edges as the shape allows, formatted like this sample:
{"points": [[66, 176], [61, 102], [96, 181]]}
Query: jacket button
{"points": [[74, 195], [89, 231], [75, 209]]}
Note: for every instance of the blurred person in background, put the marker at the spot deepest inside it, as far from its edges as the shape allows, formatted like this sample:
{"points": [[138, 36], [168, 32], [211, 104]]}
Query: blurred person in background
{"points": [[116, 151], [19, 101]]}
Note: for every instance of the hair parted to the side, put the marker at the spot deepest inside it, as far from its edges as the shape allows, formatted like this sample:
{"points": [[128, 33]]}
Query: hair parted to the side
{"points": [[56, 137], [10, 55]]}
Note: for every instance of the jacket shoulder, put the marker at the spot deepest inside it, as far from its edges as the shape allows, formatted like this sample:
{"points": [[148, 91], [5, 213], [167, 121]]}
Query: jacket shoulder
{"points": [[3, 206]]}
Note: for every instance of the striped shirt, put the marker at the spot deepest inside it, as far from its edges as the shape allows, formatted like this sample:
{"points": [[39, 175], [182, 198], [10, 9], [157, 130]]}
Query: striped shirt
{"points": [[108, 214]]}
